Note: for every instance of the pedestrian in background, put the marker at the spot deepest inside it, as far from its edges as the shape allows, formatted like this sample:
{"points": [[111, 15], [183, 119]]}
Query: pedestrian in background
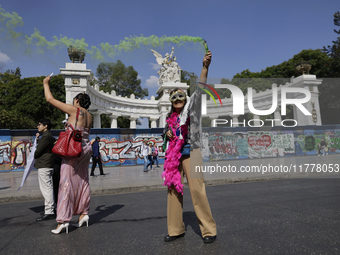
{"points": [[322, 147], [150, 149], [145, 151], [155, 154], [96, 158]]}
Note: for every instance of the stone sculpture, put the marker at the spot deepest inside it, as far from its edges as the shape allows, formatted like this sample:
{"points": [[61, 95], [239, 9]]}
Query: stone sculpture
{"points": [[170, 71], [76, 55]]}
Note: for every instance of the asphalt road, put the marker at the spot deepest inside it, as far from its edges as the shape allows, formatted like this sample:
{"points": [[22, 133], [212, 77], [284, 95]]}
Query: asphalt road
{"points": [[290, 216]]}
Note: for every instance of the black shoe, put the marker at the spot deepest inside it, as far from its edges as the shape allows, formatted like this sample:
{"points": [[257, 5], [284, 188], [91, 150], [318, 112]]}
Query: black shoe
{"points": [[46, 217], [172, 238], [91, 174], [209, 239]]}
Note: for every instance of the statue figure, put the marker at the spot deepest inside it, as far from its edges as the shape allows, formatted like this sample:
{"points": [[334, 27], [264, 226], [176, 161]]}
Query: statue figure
{"points": [[170, 70], [76, 55], [303, 67]]}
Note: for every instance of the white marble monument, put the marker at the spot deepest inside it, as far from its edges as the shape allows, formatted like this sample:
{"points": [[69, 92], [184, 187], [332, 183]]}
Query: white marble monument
{"points": [[77, 80]]}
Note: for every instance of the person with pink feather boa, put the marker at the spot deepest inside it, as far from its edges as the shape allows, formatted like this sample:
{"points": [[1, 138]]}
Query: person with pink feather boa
{"points": [[185, 113]]}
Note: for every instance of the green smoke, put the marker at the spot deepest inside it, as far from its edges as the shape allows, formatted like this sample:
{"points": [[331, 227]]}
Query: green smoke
{"points": [[10, 21]]}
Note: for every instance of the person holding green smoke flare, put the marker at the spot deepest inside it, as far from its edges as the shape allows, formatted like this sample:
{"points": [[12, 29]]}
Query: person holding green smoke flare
{"points": [[183, 131]]}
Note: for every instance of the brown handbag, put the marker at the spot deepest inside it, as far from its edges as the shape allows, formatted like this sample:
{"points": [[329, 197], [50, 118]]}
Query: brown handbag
{"points": [[69, 142]]}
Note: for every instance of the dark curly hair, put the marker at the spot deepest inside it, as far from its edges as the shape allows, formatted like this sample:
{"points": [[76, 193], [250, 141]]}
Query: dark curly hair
{"points": [[84, 100]]}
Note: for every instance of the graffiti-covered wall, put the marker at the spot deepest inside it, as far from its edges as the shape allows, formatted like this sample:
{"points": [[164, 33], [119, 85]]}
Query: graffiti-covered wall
{"points": [[119, 147], [244, 143]]}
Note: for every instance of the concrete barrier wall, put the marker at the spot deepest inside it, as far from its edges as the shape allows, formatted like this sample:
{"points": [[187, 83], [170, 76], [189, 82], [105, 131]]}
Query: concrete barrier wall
{"points": [[245, 143], [119, 147]]}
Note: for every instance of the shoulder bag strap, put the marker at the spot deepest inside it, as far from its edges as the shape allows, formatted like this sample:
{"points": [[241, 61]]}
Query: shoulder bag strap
{"points": [[77, 117]]}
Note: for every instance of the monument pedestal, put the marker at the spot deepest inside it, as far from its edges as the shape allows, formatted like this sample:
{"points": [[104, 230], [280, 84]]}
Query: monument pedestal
{"points": [[311, 83], [76, 78]]}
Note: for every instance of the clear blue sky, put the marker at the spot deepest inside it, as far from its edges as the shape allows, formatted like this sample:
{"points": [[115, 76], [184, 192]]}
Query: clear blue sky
{"points": [[241, 34]]}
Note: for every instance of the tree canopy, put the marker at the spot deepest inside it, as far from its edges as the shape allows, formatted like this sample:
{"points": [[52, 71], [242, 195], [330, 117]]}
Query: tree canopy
{"points": [[124, 80], [325, 64], [23, 103], [333, 51]]}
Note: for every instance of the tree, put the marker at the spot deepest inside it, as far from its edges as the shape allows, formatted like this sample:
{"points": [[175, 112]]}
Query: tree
{"points": [[286, 69], [24, 100], [322, 66], [16, 72], [12, 119], [330, 88], [333, 51], [189, 78], [122, 79], [2, 66]]}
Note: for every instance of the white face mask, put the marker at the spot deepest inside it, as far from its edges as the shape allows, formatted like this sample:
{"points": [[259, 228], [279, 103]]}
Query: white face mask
{"points": [[177, 96]]}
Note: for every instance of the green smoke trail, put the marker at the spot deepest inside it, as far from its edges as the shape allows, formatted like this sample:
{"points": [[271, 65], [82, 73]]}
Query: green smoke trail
{"points": [[10, 21]]}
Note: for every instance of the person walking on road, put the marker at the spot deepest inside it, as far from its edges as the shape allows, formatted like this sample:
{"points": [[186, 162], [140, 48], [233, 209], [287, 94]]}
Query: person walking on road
{"points": [[96, 158]]}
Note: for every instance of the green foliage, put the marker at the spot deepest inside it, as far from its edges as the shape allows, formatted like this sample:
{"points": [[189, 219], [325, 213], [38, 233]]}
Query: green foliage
{"points": [[333, 51], [122, 122], [105, 121], [25, 100], [330, 88], [324, 64], [14, 120], [317, 58], [122, 79], [189, 78]]}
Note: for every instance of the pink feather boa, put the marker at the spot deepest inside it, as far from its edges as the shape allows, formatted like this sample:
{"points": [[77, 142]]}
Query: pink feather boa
{"points": [[171, 174]]}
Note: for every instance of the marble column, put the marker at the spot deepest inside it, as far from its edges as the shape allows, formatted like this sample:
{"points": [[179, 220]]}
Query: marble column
{"points": [[277, 117], [96, 120], [113, 118], [257, 121], [235, 120], [153, 122], [133, 123], [212, 118]]}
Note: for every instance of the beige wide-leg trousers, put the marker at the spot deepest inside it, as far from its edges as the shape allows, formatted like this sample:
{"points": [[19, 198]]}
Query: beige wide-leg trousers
{"points": [[46, 188], [198, 197]]}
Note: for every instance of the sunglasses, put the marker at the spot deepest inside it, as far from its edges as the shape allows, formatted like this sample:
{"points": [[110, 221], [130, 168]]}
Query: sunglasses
{"points": [[177, 96]]}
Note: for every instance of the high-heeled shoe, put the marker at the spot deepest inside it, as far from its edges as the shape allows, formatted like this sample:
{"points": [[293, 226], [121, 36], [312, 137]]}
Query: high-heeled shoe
{"points": [[60, 228], [82, 221]]}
